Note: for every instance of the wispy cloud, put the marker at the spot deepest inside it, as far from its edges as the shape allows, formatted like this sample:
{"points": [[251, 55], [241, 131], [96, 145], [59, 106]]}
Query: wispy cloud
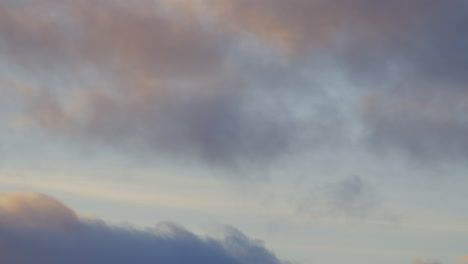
{"points": [[351, 198]]}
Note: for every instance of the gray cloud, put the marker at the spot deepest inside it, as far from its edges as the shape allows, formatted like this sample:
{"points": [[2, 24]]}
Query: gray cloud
{"points": [[234, 83], [35, 228], [427, 126], [142, 77], [420, 110], [408, 57], [351, 198]]}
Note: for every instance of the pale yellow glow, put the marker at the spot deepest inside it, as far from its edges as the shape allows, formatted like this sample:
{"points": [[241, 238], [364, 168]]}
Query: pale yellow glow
{"points": [[33, 210]]}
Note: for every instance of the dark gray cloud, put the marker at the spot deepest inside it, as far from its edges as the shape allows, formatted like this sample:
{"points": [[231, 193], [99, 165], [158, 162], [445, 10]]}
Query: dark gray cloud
{"points": [[36, 229]]}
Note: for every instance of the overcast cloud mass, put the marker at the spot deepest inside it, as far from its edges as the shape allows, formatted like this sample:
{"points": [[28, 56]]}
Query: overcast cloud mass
{"points": [[233, 81], [281, 100]]}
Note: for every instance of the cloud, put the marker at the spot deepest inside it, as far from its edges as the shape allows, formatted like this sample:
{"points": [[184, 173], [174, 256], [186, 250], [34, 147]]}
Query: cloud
{"points": [[407, 60], [427, 125], [142, 77], [351, 198], [239, 82], [36, 228]]}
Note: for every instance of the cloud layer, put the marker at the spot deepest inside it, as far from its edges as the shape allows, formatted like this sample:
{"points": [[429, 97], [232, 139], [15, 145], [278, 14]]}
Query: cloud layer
{"points": [[240, 82], [35, 229], [137, 77]]}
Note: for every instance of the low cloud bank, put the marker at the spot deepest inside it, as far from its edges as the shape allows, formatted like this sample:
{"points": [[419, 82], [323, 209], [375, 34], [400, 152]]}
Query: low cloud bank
{"points": [[36, 229]]}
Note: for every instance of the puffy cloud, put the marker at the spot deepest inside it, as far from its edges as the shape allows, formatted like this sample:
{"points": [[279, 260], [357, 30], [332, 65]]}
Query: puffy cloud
{"points": [[36, 228]]}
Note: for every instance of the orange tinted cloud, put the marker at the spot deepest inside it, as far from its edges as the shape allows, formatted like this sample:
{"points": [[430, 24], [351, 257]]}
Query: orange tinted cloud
{"points": [[463, 258], [34, 210]]}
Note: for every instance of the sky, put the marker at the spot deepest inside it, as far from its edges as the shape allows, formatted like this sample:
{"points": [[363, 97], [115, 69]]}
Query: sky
{"points": [[233, 131]]}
